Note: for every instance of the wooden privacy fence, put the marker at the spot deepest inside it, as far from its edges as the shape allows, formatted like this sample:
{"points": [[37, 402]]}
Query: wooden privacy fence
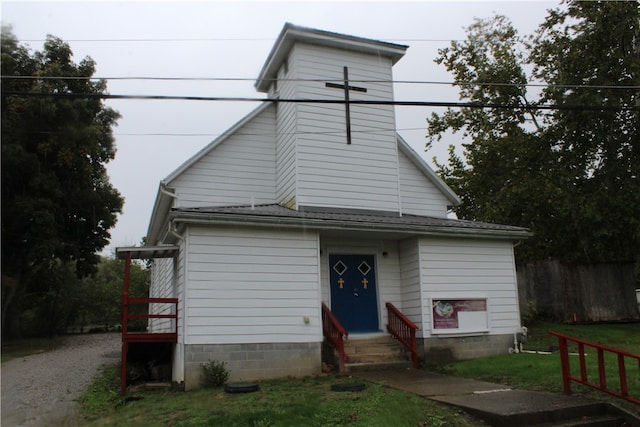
{"points": [[578, 292], [624, 371]]}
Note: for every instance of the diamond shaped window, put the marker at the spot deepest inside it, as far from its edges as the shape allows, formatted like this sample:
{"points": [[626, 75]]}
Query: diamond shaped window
{"points": [[340, 267], [364, 268]]}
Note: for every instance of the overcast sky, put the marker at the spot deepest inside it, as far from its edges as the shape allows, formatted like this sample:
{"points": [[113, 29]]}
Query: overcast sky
{"points": [[231, 39]]}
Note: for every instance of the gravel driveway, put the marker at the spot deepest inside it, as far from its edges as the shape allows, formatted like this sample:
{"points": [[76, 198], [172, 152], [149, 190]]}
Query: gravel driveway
{"points": [[42, 389]]}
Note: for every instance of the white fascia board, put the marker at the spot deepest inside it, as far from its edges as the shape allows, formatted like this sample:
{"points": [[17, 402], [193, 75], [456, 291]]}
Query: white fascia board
{"points": [[427, 171], [292, 34], [147, 252], [162, 205]]}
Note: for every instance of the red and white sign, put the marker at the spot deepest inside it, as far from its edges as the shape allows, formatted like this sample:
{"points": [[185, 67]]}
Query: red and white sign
{"points": [[445, 311]]}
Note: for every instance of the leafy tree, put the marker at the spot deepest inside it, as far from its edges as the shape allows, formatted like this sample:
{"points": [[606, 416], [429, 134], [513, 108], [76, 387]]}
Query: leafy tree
{"points": [[589, 54], [101, 301], [57, 202], [571, 174]]}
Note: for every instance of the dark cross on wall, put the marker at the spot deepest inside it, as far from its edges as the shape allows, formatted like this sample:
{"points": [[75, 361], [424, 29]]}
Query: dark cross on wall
{"points": [[346, 89]]}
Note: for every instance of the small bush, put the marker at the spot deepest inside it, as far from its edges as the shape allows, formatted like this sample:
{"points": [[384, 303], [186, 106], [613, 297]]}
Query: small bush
{"points": [[529, 314], [215, 373]]}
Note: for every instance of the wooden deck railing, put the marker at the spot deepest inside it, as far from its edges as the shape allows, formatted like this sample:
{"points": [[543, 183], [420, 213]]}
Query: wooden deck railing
{"points": [[171, 336], [127, 337], [600, 350], [335, 334], [404, 330]]}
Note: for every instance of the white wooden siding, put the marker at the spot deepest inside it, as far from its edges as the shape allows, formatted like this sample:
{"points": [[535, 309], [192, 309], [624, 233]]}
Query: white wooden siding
{"points": [[162, 286], [241, 169], [178, 351], [331, 173], [465, 268], [286, 141], [411, 296], [252, 286], [419, 195]]}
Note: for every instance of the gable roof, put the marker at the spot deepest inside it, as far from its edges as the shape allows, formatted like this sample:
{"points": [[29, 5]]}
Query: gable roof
{"points": [[165, 196], [406, 149], [216, 142], [292, 34]]}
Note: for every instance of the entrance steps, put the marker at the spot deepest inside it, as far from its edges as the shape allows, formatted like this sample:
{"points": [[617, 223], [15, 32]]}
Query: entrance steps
{"points": [[375, 351]]}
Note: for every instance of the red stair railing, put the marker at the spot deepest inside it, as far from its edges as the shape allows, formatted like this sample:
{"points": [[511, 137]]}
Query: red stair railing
{"points": [[621, 356], [334, 333], [128, 337], [404, 330]]}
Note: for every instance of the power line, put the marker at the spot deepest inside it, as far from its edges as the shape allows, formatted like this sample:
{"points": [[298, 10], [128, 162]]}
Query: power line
{"points": [[251, 79], [325, 101], [370, 130], [219, 39], [216, 135]]}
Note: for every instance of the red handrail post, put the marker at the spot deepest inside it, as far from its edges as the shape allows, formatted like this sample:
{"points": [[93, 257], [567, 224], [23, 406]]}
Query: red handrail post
{"points": [[335, 333], [583, 363], [125, 316], [404, 330], [620, 355], [602, 375], [564, 362], [623, 376], [414, 351]]}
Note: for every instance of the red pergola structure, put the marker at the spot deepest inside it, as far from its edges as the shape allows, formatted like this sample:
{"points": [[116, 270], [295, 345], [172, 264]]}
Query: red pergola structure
{"points": [[144, 252]]}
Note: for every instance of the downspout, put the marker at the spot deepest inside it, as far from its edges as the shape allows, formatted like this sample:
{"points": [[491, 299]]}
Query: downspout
{"points": [[174, 197], [178, 351], [163, 190], [173, 232]]}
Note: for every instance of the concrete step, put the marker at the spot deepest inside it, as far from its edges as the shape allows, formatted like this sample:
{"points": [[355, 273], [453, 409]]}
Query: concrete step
{"points": [[582, 414], [375, 357], [374, 353], [377, 366], [375, 345], [591, 421]]}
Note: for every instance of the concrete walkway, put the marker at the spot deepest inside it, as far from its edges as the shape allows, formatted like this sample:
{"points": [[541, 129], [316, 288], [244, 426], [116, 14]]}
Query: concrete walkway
{"points": [[497, 404]]}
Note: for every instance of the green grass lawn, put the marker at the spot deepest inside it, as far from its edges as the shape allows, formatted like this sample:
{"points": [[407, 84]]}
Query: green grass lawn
{"points": [[283, 402], [310, 402], [543, 372]]}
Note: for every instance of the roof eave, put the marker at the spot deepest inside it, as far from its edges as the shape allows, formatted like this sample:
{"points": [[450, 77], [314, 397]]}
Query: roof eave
{"points": [[161, 207], [147, 252], [291, 34], [211, 218]]}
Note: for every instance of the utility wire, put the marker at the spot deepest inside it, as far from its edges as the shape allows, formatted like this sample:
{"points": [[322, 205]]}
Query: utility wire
{"points": [[219, 39], [326, 101], [218, 134], [243, 79], [370, 130]]}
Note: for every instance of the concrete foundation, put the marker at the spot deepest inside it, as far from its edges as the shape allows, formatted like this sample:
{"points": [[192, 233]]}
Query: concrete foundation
{"points": [[442, 350], [251, 362]]}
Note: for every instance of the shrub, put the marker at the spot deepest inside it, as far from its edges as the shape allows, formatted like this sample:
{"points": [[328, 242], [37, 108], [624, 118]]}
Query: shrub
{"points": [[215, 373], [529, 314]]}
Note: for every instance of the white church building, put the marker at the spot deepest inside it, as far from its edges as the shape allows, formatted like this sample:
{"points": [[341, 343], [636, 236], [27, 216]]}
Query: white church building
{"points": [[314, 202]]}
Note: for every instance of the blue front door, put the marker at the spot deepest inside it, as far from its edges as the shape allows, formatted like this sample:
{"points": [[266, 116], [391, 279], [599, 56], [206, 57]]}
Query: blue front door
{"points": [[353, 292]]}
